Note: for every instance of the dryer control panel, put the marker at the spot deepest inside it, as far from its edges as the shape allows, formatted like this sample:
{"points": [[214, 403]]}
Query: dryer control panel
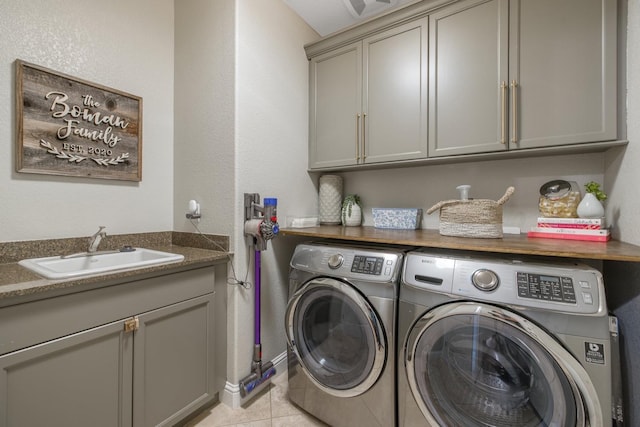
{"points": [[367, 264], [350, 262]]}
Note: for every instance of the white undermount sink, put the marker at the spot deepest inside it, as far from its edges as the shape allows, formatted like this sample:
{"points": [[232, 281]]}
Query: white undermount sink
{"points": [[84, 264]]}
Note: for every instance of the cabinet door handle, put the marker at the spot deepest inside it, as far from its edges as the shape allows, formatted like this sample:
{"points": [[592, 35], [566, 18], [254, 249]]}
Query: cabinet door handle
{"points": [[364, 137], [503, 112], [358, 138], [514, 111], [132, 325]]}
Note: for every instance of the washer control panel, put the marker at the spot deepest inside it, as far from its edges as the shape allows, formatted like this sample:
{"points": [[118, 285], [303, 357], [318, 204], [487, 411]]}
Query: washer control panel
{"points": [[545, 287], [525, 282]]}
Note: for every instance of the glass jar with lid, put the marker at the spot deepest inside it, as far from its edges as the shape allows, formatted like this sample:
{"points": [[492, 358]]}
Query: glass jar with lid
{"points": [[559, 199]]}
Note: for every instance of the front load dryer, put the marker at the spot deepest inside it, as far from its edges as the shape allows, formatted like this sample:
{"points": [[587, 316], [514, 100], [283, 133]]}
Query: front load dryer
{"points": [[502, 342], [340, 326]]}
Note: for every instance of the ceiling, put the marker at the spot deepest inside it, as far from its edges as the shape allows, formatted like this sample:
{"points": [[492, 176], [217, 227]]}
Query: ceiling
{"points": [[329, 16]]}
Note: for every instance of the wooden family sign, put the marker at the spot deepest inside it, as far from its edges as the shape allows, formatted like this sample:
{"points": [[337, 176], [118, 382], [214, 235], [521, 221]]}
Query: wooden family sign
{"points": [[67, 126]]}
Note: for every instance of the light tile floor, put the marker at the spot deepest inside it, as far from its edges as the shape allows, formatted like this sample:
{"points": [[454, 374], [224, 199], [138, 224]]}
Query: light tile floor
{"points": [[271, 408]]}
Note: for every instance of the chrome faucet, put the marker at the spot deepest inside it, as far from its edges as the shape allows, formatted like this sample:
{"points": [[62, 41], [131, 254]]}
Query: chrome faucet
{"points": [[94, 241]]}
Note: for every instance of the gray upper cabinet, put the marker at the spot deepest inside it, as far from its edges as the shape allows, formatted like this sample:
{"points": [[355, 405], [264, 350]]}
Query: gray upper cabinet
{"points": [[482, 79], [519, 74], [563, 63], [368, 100], [335, 107], [468, 48]]}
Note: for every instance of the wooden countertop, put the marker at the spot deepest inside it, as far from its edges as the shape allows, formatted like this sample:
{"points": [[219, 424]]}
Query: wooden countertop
{"points": [[514, 244]]}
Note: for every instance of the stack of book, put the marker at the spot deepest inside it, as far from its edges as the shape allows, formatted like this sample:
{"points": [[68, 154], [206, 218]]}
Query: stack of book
{"points": [[590, 229]]}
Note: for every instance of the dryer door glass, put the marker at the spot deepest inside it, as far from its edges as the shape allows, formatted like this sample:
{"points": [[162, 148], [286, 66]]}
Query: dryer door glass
{"points": [[480, 367], [337, 337]]}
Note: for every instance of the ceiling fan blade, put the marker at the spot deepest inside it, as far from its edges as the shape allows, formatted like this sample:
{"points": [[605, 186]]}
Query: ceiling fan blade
{"points": [[358, 6]]}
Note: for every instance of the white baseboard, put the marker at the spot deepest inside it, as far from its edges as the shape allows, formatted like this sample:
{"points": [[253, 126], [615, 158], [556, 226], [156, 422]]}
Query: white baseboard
{"points": [[230, 396]]}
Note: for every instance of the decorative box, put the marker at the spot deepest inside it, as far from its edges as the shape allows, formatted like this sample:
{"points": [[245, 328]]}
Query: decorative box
{"points": [[398, 218]]}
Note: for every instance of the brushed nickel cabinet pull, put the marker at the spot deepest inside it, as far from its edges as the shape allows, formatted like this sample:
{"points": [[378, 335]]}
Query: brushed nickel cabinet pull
{"points": [[503, 112], [514, 111]]}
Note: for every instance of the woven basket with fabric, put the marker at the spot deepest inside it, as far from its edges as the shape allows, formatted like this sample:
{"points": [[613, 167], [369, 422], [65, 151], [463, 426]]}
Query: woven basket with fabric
{"points": [[472, 218]]}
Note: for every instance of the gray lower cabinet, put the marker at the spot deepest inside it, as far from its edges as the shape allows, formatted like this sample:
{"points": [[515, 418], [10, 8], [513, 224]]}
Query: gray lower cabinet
{"points": [[519, 74], [154, 365], [79, 380], [368, 100], [172, 356]]}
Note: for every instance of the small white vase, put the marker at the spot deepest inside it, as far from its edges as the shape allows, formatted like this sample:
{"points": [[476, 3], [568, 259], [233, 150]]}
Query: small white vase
{"points": [[590, 207], [353, 218]]}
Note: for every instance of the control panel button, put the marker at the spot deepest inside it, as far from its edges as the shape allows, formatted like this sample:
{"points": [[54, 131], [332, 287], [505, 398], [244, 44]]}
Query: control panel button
{"points": [[485, 280], [587, 298], [335, 261], [584, 284]]}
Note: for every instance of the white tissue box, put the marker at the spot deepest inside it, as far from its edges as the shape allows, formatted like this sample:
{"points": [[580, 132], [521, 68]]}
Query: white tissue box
{"points": [[301, 221], [398, 218]]}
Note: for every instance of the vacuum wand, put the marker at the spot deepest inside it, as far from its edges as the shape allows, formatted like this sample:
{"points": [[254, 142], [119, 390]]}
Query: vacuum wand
{"points": [[261, 223]]}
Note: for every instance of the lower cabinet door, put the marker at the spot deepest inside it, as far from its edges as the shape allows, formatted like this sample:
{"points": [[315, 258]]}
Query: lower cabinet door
{"points": [[173, 362], [83, 379]]}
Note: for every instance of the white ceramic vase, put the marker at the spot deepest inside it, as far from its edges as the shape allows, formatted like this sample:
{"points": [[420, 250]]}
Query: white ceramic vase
{"points": [[351, 214], [330, 199], [590, 207]]}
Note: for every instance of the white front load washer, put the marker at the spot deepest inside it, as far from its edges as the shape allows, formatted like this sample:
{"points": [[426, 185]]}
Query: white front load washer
{"points": [[340, 324], [499, 341]]}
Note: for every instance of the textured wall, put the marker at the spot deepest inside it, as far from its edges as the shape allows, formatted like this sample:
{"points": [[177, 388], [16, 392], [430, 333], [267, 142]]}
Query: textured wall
{"points": [[422, 187], [623, 279], [271, 149], [125, 45], [241, 126], [622, 165], [204, 149]]}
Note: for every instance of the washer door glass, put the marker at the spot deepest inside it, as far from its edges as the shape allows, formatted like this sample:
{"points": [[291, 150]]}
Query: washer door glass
{"points": [[477, 365], [337, 337]]}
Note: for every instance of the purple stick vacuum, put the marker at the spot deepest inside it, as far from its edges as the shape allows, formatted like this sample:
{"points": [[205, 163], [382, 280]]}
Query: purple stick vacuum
{"points": [[262, 228]]}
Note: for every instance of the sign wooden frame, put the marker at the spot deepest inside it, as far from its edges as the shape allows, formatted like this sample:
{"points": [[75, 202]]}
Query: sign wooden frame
{"points": [[72, 127]]}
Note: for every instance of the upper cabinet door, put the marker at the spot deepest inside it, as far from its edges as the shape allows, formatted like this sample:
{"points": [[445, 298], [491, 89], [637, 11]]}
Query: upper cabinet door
{"points": [[335, 80], [395, 94], [468, 73], [563, 65]]}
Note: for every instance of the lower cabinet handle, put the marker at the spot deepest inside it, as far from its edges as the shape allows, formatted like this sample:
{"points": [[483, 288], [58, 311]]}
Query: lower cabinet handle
{"points": [[514, 111]]}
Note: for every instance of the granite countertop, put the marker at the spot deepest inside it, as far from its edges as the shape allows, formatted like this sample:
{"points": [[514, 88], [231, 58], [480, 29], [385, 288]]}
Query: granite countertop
{"points": [[18, 284]]}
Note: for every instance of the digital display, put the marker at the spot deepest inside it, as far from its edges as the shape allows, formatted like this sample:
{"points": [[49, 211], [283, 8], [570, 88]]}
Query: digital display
{"points": [[367, 265]]}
